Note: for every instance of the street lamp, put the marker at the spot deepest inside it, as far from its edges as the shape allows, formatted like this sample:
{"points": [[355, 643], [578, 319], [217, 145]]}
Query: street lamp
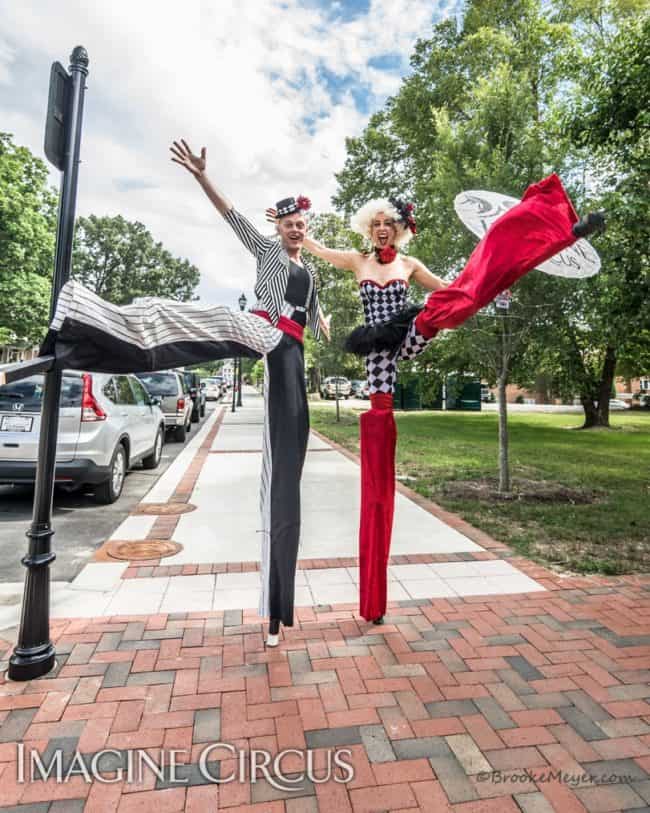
{"points": [[242, 307]]}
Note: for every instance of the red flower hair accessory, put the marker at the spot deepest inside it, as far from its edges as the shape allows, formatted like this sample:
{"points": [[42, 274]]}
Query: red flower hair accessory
{"points": [[303, 203], [406, 213]]}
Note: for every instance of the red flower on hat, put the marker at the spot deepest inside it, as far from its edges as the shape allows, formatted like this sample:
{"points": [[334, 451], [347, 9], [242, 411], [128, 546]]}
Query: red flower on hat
{"points": [[303, 203], [387, 254]]}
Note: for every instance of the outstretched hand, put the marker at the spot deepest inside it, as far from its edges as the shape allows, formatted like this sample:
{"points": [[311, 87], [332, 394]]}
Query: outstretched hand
{"points": [[271, 215], [325, 326], [184, 156]]}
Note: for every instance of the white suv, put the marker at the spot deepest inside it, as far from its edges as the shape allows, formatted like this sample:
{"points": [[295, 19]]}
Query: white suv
{"points": [[106, 424], [335, 384]]}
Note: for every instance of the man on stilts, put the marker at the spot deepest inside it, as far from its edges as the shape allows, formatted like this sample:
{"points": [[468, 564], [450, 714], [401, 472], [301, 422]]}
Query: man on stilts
{"points": [[152, 334]]}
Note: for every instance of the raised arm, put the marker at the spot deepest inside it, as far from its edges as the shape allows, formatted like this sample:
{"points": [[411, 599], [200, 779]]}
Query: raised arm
{"points": [[196, 165], [344, 260], [425, 278]]}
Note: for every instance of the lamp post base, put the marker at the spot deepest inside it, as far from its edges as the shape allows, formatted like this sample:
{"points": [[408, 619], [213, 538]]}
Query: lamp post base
{"points": [[31, 662]]}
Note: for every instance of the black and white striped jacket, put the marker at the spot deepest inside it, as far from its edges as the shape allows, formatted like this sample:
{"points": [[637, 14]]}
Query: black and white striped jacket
{"points": [[272, 271]]}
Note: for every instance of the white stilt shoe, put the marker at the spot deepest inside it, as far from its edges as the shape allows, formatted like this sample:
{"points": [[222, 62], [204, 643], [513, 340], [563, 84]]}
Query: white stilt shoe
{"points": [[273, 638]]}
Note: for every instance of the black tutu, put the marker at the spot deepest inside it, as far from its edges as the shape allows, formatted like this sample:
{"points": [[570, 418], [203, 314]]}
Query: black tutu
{"points": [[386, 336]]}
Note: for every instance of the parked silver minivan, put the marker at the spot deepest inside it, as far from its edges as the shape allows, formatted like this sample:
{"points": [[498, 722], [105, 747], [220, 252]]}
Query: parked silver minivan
{"points": [[172, 389], [106, 424]]}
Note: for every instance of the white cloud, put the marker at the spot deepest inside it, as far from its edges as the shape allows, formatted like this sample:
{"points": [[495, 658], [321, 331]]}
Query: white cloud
{"points": [[203, 70]]}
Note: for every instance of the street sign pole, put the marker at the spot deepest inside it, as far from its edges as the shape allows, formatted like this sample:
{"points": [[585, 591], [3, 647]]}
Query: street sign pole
{"points": [[34, 653], [242, 307]]}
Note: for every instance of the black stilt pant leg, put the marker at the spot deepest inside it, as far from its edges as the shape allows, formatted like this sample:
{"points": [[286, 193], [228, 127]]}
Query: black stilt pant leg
{"points": [[285, 446]]}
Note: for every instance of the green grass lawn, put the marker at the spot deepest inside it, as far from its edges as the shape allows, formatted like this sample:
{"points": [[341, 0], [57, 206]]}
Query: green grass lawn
{"points": [[609, 535]]}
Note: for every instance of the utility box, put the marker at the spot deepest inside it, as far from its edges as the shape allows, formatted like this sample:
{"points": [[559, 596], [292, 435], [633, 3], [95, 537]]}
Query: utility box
{"points": [[407, 394], [463, 395]]}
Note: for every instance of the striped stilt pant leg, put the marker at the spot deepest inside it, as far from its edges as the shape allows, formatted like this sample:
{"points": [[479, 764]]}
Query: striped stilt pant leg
{"points": [[378, 439], [286, 431], [88, 333]]}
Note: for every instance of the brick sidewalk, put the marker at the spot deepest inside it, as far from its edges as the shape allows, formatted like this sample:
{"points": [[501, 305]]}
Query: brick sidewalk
{"points": [[447, 691], [445, 707]]}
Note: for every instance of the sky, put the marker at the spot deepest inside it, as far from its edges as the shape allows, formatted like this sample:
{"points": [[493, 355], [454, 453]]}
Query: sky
{"points": [[271, 88]]}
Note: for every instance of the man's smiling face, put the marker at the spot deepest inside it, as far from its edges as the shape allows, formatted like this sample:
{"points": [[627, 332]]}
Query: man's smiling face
{"points": [[292, 230]]}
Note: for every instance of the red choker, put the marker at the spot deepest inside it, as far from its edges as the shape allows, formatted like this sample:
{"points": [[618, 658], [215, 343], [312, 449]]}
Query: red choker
{"points": [[385, 255]]}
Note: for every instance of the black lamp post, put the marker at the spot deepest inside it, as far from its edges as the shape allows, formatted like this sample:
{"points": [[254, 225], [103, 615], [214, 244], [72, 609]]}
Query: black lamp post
{"points": [[34, 653], [242, 307]]}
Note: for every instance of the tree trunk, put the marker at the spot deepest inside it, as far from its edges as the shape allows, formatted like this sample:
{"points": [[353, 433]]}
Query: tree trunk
{"points": [[606, 382], [591, 411], [502, 383], [504, 463], [597, 408]]}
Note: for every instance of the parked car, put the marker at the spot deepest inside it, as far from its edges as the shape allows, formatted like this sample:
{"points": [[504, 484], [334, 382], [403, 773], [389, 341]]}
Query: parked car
{"points": [[356, 386], [175, 401], [332, 384], [193, 383], [215, 387], [618, 403], [106, 424], [365, 391]]}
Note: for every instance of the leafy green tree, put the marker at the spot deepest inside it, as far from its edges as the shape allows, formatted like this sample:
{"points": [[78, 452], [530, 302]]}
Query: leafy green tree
{"points": [[476, 112], [608, 120], [27, 237], [119, 260], [339, 295]]}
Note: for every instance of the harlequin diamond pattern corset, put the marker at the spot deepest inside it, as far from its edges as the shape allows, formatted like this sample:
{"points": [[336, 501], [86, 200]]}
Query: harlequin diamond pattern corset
{"points": [[380, 302]]}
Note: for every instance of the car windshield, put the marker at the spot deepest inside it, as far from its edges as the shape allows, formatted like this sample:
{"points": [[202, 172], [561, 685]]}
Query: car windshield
{"points": [[161, 384], [27, 395]]}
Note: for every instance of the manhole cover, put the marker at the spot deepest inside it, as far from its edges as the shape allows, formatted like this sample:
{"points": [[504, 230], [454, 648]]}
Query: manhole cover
{"points": [[141, 549], [164, 509]]}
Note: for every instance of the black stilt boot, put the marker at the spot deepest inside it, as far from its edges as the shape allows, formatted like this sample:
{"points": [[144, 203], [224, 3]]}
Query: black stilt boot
{"points": [[589, 224]]}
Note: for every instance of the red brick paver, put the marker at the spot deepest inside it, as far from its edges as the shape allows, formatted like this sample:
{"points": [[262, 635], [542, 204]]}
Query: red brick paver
{"points": [[383, 693]]}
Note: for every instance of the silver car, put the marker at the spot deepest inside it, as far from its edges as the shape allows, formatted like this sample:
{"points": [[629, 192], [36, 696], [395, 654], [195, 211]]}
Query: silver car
{"points": [[334, 386], [214, 387], [172, 389], [107, 423]]}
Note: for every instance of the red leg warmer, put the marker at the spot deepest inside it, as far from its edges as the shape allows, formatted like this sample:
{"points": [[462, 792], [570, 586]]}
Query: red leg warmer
{"points": [[529, 233], [378, 440]]}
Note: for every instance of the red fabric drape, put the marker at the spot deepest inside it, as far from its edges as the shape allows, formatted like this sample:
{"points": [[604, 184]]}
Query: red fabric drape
{"points": [[378, 435], [531, 232]]}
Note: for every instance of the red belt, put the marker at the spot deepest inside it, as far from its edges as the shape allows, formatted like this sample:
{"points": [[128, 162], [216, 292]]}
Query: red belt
{"points": [[286, 325]]}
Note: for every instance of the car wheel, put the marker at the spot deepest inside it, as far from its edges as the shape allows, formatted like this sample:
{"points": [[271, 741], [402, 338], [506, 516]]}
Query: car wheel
{"points": [[152, 461], [110, 490], [180, 433]]}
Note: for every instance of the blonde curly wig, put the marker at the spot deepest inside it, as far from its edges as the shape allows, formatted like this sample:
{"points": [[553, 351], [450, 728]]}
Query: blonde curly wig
{"points": [[361, 221]]}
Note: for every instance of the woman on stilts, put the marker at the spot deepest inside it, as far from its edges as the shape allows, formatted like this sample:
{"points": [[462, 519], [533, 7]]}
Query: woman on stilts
{"points": [[541, 225], [152, 334]]}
